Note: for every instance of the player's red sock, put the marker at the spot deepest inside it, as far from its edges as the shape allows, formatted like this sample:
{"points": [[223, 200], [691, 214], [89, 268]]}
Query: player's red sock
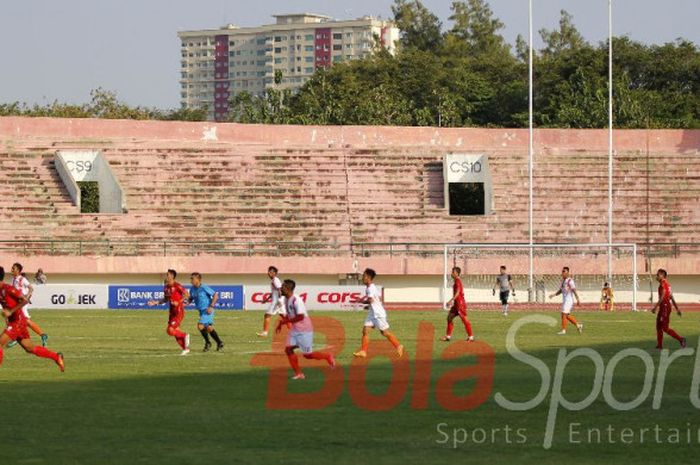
{"points": [[450, 328], [43, 352], [365, 342], [319, 356], [467, 325], [294, 362], [572, 320], [674, 335], [181, 341], [2, 354], [394, 342], [659, 338], [563, 321]]}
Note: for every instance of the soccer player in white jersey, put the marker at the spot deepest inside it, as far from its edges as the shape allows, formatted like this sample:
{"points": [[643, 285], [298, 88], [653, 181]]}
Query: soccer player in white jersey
{"points": [[301, 331], [505, 285], [567, 289], [276, 300], [23, 285], [376, 317]]}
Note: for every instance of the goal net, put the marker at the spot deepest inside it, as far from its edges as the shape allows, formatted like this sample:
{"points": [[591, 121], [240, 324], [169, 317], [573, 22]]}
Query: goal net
{"points": [[535, 272]]}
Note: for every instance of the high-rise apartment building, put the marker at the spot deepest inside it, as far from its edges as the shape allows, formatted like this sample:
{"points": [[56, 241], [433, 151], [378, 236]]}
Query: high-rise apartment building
{"points": [[217, 64]]}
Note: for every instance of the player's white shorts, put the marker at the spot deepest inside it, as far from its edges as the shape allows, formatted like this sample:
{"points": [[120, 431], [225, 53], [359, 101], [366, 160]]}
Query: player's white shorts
{"points": [[305, 341], [25, 310], [276, 308], [379, 323], [567, 306]]}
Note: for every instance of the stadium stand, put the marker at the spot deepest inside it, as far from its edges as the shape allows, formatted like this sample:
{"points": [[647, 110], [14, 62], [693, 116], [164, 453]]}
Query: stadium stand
{"points": [[308, 191]]}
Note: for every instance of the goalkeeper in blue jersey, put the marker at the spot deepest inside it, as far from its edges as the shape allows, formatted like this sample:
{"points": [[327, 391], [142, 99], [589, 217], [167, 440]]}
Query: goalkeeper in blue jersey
{"points": [[204, 299]]}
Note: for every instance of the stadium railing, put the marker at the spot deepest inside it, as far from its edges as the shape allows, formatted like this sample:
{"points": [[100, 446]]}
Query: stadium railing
{"points": [[268, 248]]}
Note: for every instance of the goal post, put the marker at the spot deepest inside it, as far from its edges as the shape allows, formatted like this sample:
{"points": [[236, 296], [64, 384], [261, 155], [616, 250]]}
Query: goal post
{"points": [[588, 262]]}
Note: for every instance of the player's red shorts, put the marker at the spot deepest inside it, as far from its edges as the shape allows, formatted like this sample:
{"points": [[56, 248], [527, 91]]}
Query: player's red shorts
{"points": [[458, 309], [175, 319], [663, 318], [17, 331]]}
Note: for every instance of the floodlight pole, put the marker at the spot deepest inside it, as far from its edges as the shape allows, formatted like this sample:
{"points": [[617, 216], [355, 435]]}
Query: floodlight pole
{"points": [[610, 140], [531, 289]]}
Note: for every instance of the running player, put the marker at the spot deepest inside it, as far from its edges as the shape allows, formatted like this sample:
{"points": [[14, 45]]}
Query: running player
{"points": [[301, 332], [175, 296], [12, 302], [664, 305], [205, 299], [276, 306], [458, 307], [22, 284], [376, 317], [567, 289], [505, 285]]}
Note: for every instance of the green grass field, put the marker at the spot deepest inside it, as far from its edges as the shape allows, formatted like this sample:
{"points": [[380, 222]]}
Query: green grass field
{"points": [[128, 397]]}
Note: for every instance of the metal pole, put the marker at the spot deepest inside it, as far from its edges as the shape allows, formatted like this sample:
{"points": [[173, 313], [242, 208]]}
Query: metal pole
{"points": [[530, 151], [634, 278], [610, 140]]}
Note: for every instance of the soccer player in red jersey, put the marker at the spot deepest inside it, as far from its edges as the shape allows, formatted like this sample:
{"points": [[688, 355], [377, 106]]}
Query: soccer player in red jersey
{"points": [[664, 305], [175, 295], [12, 302], [458, 307]]}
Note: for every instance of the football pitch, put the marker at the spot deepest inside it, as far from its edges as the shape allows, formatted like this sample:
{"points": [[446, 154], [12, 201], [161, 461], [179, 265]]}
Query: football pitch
{"points": [[128, 397]]}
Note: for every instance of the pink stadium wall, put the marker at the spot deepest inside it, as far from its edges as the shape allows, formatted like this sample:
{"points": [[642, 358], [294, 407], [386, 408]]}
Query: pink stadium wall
{"points": [[673, 141], [28, 133]]}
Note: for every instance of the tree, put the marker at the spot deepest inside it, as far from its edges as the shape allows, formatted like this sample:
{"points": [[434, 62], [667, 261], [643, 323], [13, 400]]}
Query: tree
{"points": [[475, 30], [566, 38], [419, 28]]}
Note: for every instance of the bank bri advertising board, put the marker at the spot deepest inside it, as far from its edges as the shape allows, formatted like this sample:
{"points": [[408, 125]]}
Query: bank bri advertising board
{"points": [[126, 297]]}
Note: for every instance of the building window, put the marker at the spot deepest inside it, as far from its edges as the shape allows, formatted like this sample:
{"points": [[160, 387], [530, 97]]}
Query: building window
{"points": [[306, 37], [337, 36], [308, 70], [309, 59], [309, 48], [338, 47], [278, 50]]}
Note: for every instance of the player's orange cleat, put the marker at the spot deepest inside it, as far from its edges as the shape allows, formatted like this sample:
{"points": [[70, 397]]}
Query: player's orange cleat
{"points": [[360, 354], [61, 363], [399, 351]]}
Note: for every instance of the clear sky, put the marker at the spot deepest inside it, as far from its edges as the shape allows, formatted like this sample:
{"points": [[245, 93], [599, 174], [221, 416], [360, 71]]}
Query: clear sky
{"points": [[63, 49]]}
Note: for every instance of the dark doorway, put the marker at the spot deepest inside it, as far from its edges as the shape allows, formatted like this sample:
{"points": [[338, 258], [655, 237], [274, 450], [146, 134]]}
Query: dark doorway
{"points": [[467, 198]]}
